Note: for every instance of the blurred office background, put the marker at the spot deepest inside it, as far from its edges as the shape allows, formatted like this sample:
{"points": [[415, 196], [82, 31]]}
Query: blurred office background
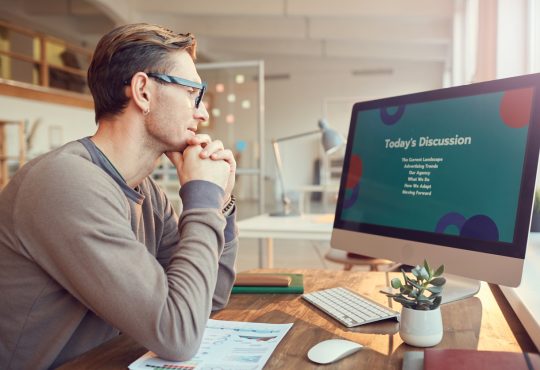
{"points": [[274, 69]]}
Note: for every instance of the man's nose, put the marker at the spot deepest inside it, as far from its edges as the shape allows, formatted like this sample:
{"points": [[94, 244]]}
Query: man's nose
{"points": [[201, 114]]}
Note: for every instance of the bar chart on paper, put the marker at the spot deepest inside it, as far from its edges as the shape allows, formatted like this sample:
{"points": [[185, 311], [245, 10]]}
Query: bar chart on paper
{"points": [[226, 345]]}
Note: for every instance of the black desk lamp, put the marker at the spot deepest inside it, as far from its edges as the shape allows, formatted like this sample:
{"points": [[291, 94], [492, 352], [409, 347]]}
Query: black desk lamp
{"points": [[331, 141]]}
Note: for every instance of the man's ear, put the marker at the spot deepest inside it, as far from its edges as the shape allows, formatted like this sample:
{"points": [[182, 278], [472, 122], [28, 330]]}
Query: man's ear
{"points": [[139, 91]]}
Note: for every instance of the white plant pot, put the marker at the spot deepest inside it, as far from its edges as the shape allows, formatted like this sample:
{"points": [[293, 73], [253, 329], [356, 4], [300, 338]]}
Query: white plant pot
{"points": [[421, 328]]}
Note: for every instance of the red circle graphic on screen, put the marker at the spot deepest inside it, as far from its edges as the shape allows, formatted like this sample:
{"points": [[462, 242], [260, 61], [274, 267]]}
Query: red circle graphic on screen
{"points": [[355, 172], [515, 108]]}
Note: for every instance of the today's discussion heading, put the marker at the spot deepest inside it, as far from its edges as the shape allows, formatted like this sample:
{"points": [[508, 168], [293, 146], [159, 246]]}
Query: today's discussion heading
{"points": [[399, 143]]}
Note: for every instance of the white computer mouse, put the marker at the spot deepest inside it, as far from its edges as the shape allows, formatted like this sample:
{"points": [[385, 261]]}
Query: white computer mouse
{"points": [[331, 350]]}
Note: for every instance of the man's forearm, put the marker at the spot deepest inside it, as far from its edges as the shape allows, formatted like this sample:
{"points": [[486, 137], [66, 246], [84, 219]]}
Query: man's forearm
{"points": [[226, 275]]}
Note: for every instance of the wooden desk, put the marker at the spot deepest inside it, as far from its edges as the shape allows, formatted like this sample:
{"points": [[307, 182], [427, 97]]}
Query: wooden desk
{"points": [[484, 322], [303, 227]]}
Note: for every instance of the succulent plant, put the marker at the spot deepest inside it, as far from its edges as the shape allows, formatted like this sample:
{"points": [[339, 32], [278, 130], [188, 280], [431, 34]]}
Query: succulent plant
{"points": [[423, 291]]}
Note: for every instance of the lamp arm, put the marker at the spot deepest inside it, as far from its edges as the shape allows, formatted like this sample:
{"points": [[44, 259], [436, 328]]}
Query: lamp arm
{"points": [[296, 136], [279, 165]]}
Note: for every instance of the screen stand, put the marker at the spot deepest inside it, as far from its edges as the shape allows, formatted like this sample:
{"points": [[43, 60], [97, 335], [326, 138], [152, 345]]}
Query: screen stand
{"points": [[458, 287]]}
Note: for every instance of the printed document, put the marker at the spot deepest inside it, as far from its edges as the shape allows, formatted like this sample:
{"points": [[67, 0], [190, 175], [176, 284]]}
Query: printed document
{"points": [[226, 345]]}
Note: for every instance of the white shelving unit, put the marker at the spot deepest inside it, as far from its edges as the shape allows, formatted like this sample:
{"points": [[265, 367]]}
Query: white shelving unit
{"points": [[6, 155]]}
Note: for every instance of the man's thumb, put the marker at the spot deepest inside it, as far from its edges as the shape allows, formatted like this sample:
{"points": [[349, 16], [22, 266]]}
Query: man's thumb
{"points": [[176, 158]]}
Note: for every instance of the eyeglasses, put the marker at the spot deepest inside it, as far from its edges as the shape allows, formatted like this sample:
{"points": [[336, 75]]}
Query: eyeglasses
{"points": [[182, 82]]}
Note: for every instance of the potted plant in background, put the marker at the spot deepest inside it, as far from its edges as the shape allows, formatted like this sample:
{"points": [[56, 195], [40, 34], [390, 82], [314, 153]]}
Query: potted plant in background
{"points": [[420, 297]]}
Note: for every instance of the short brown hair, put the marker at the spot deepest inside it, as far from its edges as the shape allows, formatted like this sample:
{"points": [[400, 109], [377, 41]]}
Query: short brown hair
{"points": [[125, 51]]}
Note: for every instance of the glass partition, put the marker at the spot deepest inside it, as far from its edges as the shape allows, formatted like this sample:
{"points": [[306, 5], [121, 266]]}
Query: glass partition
{"points": [[235, 103]]}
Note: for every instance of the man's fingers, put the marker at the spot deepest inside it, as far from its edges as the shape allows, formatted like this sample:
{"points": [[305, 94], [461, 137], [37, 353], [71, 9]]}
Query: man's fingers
{"points": [[226, 155], [176, 158], [211, 148], [200, 139], [197, 168]]}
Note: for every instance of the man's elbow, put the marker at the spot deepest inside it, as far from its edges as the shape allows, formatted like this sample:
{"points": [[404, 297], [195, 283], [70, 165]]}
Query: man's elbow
{"points": [[219, 303], [218, 307], [180, 343], [183, 352]]}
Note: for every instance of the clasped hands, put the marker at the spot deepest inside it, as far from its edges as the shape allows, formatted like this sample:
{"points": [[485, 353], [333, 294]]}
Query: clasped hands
{"points": [[204, 159]]}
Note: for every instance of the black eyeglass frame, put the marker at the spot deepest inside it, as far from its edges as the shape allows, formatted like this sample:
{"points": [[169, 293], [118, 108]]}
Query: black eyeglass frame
{"points": [[182, 82]]}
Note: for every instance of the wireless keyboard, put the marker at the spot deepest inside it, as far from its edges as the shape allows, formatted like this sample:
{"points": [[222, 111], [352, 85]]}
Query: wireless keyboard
{"points": [[349, 308]]}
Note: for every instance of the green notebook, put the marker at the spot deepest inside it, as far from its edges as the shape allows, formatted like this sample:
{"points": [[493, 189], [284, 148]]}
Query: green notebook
{"points": [[296, 287]]}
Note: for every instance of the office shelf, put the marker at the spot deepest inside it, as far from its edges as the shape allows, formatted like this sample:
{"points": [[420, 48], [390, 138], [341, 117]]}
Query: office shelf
{"points": [[5, 159]]}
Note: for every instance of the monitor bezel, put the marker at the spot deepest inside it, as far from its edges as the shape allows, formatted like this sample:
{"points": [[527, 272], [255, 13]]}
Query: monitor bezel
{"points": [[517, 247]]}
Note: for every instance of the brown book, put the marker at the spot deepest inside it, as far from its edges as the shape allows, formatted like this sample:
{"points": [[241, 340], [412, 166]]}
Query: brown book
{"points": [[245, 279], [469, 359]]}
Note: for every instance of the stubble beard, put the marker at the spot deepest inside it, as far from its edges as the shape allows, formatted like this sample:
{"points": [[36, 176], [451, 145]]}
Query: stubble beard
{"points": [[162, 139]]}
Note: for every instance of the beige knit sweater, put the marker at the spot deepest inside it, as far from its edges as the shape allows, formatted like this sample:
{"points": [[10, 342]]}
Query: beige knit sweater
{"points": [[83, 257]]}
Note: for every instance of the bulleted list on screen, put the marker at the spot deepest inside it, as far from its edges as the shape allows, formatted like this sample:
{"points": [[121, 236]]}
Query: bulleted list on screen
{"points": [[419, 171]]}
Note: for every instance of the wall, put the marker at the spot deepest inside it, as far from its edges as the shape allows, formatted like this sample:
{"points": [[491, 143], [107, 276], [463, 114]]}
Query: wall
{"points": [[512, 38], [295, 105], [74, 122]]}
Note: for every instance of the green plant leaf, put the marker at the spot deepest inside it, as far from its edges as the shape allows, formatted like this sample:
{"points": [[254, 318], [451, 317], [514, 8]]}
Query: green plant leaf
{"points": [[439, 271], [416, 272], [404, 276], [435, 289], [396, 283], [428, 269], [422, 298], [405, 302], [440, 281], [436, 303], [407, 289], [424, 273], [414, 283]]}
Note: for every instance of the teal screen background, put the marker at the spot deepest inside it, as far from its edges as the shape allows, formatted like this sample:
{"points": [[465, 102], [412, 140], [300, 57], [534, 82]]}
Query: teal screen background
{"points": [[482, 178]]}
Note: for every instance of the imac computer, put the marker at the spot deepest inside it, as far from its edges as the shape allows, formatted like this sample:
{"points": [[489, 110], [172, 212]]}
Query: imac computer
{"points": [[445, 175]]}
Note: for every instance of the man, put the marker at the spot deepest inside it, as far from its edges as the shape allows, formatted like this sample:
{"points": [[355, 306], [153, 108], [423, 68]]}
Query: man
{"points": [[89, 244]]}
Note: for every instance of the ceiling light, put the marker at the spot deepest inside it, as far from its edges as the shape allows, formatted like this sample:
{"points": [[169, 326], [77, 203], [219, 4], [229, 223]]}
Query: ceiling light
{"points": [[220, 88], [231, 98], [246, 104], [230, 118]]}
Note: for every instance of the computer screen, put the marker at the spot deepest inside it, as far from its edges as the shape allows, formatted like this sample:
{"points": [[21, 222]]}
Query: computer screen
{"points": [[447, 175]]}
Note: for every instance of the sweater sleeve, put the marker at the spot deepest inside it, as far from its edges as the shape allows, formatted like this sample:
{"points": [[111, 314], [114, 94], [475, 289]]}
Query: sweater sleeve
{"points": [[72, 220], [226, 270], [194, 195]]}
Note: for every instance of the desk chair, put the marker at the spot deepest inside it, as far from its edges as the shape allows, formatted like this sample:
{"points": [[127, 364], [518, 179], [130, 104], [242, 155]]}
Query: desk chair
{"points": [[352, 259]]}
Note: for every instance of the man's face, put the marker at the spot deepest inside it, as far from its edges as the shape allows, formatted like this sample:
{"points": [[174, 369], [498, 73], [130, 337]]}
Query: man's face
{"points": [[173, 118]]}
